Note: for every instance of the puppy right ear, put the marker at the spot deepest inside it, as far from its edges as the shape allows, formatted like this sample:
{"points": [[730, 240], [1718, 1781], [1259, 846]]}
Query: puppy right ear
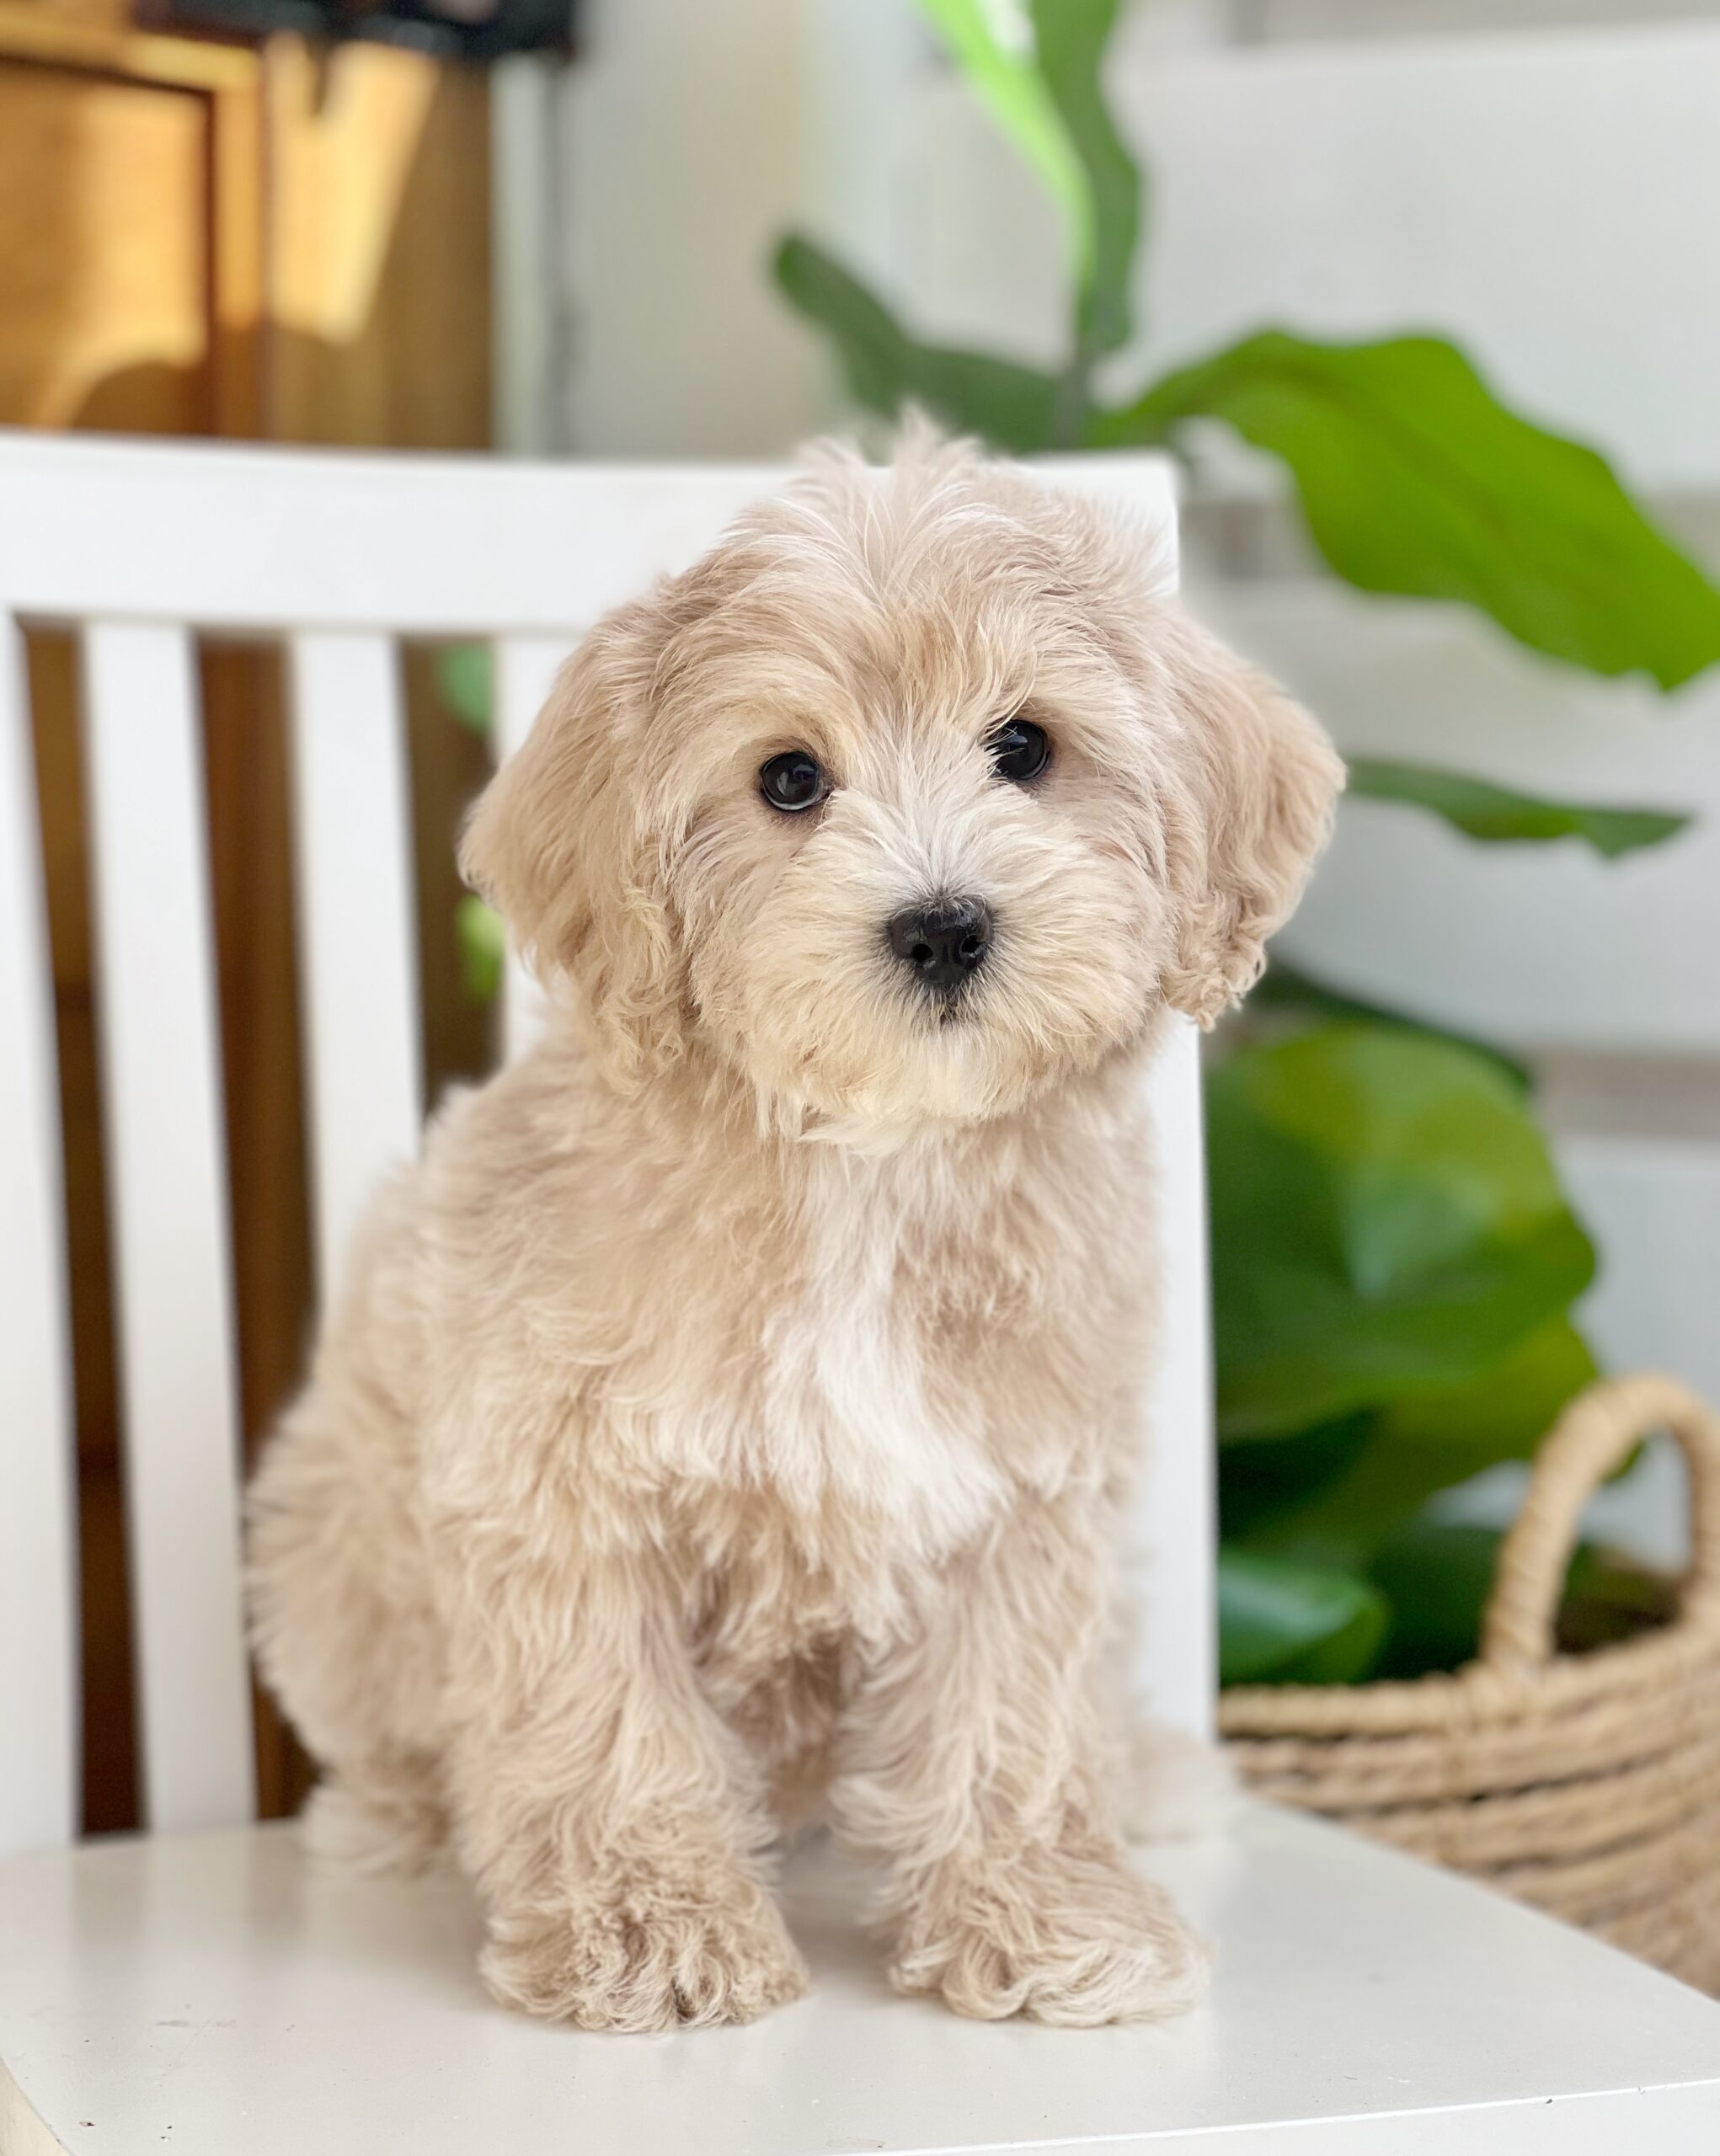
{"points": [[1260, 782], [560, 843]]}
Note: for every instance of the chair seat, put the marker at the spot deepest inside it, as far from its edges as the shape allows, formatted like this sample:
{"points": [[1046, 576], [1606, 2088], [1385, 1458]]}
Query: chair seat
{"points": [[217, 1995]]}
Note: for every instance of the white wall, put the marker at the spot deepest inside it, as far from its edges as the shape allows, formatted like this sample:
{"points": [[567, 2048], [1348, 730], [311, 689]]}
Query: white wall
{"points": [[1377, 19], [685, 151]]}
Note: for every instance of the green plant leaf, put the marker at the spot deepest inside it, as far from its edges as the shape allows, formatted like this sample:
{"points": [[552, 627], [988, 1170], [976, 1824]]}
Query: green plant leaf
{"points": [[1262, 1481], [1044, 92], [1413, 479], [1280, 1623], [1015, 408], [1001, 72], [465, 680], [1071, 37], [483, 942], [1436, 1577], [1385, 1223], [1346, 1487], [1284, 987], [1482, 810], [1502, 1413]]}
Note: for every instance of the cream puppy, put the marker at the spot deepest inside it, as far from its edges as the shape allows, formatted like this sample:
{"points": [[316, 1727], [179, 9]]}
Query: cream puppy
{"points": [[732, 1412]]}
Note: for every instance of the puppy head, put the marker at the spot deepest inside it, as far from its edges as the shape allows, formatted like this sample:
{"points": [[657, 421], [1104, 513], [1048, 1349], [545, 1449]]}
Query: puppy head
{"points": [[912, 797]]}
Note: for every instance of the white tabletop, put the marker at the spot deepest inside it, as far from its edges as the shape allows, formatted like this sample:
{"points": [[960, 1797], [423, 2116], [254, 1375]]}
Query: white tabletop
{"points": [[217, 1995]]}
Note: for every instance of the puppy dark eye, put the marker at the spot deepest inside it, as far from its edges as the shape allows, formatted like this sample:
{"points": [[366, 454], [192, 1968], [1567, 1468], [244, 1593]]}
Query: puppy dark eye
{"points": [[793, 781], [1020, 750]]}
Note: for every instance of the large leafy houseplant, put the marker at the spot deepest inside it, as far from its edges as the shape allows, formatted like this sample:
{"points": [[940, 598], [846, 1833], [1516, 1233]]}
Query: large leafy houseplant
{"points": [[1395, 1262]]}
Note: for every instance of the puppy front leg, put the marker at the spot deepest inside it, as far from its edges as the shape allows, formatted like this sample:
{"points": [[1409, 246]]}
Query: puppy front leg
{"points": [[608, 1816], [973, 1764]]}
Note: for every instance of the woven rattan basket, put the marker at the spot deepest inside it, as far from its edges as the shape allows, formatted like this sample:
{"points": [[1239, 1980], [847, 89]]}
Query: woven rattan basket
{"points": [[1589, 1784]]}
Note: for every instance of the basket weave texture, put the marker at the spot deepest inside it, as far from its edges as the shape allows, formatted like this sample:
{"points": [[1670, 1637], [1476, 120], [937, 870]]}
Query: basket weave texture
{"points": [[1589, 1784]]}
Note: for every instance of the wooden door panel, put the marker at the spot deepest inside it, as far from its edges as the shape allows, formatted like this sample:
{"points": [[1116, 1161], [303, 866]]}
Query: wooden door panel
{"points": [[105, 316]]}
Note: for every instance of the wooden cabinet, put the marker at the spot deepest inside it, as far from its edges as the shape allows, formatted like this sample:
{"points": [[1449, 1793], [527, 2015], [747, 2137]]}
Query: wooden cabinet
{"points": [[132, 244], [279, 242], [196, 238]]}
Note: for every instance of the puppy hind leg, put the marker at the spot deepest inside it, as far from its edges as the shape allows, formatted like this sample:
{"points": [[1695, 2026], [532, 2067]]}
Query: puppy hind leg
{"points": [[381, 1814], [344, 1624]]}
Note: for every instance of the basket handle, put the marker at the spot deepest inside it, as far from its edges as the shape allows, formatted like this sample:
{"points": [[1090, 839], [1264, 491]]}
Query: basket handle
{"points": [[1592, 1436]]}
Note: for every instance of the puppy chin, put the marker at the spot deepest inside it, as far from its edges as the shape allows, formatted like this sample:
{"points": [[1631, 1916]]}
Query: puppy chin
{"points": [[939, 1068]]}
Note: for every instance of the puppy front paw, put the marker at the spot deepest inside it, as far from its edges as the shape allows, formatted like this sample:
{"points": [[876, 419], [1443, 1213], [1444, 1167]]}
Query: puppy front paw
{"points": [[1072, 1937], [647, 1952]]}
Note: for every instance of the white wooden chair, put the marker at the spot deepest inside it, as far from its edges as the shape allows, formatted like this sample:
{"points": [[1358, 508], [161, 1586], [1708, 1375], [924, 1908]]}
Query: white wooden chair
{"points": [[200, 1989]]}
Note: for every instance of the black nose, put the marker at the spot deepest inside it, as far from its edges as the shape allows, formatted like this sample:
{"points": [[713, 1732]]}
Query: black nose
{"points": [[942, 942]]}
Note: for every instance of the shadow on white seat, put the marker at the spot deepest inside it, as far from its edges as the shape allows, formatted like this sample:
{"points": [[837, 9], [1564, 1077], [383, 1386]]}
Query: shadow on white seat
{"points": [[219, 1995]]}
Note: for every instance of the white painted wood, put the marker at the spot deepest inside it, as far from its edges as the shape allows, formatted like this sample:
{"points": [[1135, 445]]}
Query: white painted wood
{"points": [[428, 546], [1176, 1513], [358, 944], [221, 1996], [290, 539], [167, 1171], [39, 1749], [525, 670]]}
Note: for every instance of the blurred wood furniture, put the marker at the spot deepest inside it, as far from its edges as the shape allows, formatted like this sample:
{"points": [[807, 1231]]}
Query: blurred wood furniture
{"points": [[271, 241], [204, 1987], [131, 235], [205, 238]]}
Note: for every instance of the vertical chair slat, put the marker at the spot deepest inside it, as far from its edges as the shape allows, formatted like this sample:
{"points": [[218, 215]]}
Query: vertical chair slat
{"points": [[167, 1170], [358, 947], [525, 669], [1176, 1510], [39, 1751]]}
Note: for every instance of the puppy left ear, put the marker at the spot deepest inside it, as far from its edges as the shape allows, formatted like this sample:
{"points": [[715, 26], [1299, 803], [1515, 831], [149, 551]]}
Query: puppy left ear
{"points": [[1261, 783]]}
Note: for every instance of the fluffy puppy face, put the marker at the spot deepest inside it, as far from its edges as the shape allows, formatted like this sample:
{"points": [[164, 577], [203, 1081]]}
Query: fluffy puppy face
{"points": [[912, 799]]}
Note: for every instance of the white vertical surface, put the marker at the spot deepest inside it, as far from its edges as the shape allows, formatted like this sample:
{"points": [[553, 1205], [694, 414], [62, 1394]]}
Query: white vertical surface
{"points": [[358, 946], [167, 1170], [525, 670], [687, 141], [529, 341], [1175, 1529], [1175, 1520], [39, 1748]]}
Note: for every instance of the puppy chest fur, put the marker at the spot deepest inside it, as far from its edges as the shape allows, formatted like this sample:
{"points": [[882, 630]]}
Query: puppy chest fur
{"points": [[860, 1358]]}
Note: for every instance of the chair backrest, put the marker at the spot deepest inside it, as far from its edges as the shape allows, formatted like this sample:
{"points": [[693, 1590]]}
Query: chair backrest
{"points": [[142, 550]]}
